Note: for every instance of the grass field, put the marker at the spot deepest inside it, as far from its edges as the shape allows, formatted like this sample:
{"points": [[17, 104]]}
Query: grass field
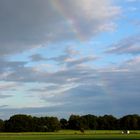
{"points": [[72, 135]]}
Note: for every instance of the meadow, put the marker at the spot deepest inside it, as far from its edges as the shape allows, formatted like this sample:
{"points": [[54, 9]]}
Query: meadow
{"points": [[72, 135]]}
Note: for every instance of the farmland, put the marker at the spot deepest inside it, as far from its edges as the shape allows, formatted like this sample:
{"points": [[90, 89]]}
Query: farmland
{"points": [[72, 135]]}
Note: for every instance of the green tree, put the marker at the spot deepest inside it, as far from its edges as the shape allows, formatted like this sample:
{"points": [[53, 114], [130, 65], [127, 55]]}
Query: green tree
{"points": [[74, 122], [19, 123], [91, 122], [130, 122], [64, 123], [52, 124], [107, 122], [2, 125]]}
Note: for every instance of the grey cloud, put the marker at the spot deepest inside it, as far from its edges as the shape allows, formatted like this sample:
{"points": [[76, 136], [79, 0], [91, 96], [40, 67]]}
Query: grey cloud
{"points": [[5, 65], [93, 107], [76, 95], [67, 53], [25, 74], [96, 91], [37, 57], [109, 91], [71, 51], [30, 74], [95, 21], [80, 61], [7, 89], [28, 24], [8, 67], [3, 106], [60, 59], [37, 111], [59, 111], [3, 96], [7, 86], [69, 60], [130, 45], [122, 82], [46, 88], [25, 25], [134, 63]]}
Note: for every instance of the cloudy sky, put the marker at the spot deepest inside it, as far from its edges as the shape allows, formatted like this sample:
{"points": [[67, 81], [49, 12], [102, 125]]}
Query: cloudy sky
{"points": [[62, 57]]}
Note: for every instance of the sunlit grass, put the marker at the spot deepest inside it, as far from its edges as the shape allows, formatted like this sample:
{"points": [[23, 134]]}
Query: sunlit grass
{"points": [[72, 135]]}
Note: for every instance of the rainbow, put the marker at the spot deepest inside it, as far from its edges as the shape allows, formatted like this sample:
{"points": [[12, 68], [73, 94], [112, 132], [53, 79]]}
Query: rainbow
{"points": [[71, 20]]}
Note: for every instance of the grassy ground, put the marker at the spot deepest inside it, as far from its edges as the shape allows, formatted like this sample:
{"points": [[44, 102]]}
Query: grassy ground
{"points": [[72, 135]]}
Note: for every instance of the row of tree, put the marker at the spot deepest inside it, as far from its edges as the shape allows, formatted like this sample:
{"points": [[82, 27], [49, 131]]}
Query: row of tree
{"points": [[26, 123]]}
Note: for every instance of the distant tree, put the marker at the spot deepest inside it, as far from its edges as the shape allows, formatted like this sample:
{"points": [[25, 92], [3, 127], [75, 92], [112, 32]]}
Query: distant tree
{"points": [[26, 123], [53, 124], [64, 123], [2, 125], [130, 122], [38, 124], [82, 122], [107, 122], [46, 124], [91, 122], [19, 123], [74, 122], [138, 122]]}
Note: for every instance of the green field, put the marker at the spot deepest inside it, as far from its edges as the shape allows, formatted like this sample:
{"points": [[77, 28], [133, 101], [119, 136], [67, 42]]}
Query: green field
{"points": [[72, 135]]}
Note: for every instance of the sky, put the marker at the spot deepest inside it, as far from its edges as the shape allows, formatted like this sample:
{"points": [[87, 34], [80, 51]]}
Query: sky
{"points": [[62, 57]]}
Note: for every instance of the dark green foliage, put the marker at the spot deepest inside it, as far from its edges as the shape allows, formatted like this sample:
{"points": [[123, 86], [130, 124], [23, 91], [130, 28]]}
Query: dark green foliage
{"points": [[19, 123], [2, 125], [130, 122], [90, 122], [64, 123], [52, 124], [26, 123], [107, 122], [75, 122]]}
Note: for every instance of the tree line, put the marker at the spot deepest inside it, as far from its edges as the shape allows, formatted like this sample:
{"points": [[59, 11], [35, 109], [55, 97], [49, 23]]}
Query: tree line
{"points": [[27, 123]]}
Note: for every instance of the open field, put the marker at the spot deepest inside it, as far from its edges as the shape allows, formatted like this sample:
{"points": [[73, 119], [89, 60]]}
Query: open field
{"points": [[72, 135]]}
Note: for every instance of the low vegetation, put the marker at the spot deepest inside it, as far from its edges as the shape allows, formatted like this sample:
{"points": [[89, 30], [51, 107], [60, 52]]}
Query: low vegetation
{"points": [[72, 135]]}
